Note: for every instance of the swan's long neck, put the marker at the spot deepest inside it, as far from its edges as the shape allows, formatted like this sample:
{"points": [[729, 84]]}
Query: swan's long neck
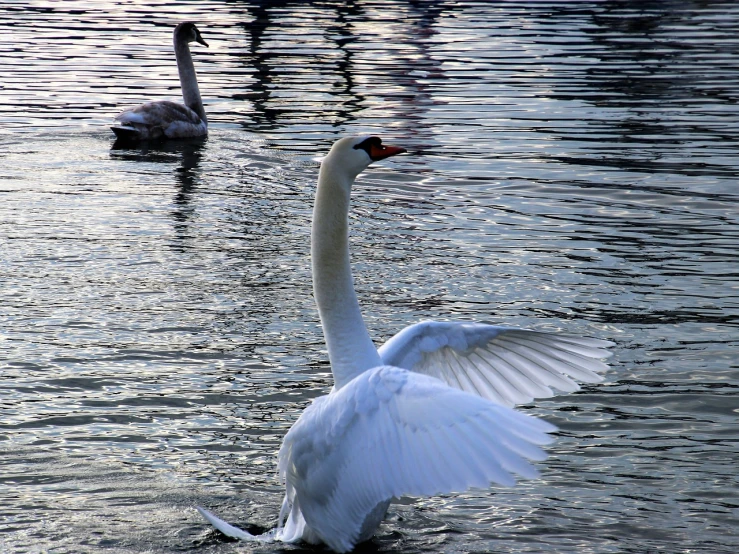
{"points": [[350, 348], [188, 78]]}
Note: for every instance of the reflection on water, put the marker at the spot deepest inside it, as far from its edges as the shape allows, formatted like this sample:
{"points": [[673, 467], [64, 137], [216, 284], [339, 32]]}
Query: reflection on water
{"points": [[571, 166], [186, 155]]}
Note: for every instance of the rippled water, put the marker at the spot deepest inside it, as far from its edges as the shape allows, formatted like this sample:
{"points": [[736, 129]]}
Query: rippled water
{"points": [[571, 166]]}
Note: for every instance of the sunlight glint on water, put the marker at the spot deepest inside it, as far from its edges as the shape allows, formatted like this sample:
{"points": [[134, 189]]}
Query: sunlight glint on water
{"points": [[570, 167]]}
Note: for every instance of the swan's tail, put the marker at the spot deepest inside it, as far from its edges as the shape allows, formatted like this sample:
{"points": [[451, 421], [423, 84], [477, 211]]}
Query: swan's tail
{"points": [[228, 529], [126, 132]]}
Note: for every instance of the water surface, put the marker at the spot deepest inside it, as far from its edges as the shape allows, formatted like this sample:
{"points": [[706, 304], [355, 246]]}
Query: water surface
{"points": [[570, 167]]}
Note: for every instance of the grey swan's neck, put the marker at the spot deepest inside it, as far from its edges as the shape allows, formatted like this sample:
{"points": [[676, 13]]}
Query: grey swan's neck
{"points": [[350, 347], [188, 78]]}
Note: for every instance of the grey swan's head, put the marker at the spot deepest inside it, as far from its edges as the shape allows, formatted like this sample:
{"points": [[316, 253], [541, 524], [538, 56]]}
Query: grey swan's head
{"points": [[187, 32]]}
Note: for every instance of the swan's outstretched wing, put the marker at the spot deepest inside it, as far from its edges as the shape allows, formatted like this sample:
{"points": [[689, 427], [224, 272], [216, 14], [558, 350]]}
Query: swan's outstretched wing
{"points": [[391, 432], [509, 366]]}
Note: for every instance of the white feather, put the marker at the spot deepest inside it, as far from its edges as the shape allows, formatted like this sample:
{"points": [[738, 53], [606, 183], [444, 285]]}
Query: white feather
{"points": [[504, 364], [391, 432]]}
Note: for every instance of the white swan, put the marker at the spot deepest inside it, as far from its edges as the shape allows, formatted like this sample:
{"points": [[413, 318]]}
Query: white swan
{"points": [[427, 413], [162, 119]]}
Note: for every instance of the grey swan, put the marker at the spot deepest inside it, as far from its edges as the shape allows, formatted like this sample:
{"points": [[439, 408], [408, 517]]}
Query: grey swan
{"points": [[165, 119]]}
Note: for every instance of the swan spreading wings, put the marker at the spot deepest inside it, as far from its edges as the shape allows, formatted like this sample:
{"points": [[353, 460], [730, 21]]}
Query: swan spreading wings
{"points": [[429, 412]]}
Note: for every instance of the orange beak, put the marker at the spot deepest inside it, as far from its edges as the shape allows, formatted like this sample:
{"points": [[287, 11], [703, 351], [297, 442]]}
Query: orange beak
{"points": [[381, 152]]}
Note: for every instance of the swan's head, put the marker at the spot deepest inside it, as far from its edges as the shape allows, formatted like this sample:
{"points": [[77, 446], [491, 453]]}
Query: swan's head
{"points": [[352, 155], [188, 32]]}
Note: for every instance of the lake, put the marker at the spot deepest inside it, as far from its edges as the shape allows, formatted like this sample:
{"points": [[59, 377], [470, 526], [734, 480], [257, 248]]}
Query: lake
{"points": [[570, 167]]}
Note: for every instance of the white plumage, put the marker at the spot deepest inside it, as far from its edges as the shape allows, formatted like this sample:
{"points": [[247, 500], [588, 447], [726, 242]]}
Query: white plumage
{"points": [[391, 432], [427, 413], [506, 365]]}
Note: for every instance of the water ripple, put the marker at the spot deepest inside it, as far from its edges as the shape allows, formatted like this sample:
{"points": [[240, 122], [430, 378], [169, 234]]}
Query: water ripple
{"points": [[571, 167]]}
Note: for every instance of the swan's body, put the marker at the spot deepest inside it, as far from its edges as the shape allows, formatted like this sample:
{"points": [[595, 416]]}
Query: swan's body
{"points": [[427, 413], [164, 119]]}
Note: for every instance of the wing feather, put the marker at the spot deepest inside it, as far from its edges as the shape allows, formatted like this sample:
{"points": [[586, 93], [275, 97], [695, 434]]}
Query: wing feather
{"points": [[546, 373], [535, 387], [506, 365], [161, 118], [449, 365], [391, 432], [462, 375], [567, 355], [498, 378], [556, 361]]}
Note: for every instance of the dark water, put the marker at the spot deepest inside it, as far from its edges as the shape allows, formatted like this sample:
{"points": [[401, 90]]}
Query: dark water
{"points": [[572, 166]]}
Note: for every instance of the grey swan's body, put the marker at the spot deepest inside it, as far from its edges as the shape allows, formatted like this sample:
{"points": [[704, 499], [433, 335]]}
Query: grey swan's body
{"points": [[429, 412], [164, 119]]}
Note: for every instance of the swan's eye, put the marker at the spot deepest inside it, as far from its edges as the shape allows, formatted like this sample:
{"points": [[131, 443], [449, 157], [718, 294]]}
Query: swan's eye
{"points": [[368, 144], [376, 151]]}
